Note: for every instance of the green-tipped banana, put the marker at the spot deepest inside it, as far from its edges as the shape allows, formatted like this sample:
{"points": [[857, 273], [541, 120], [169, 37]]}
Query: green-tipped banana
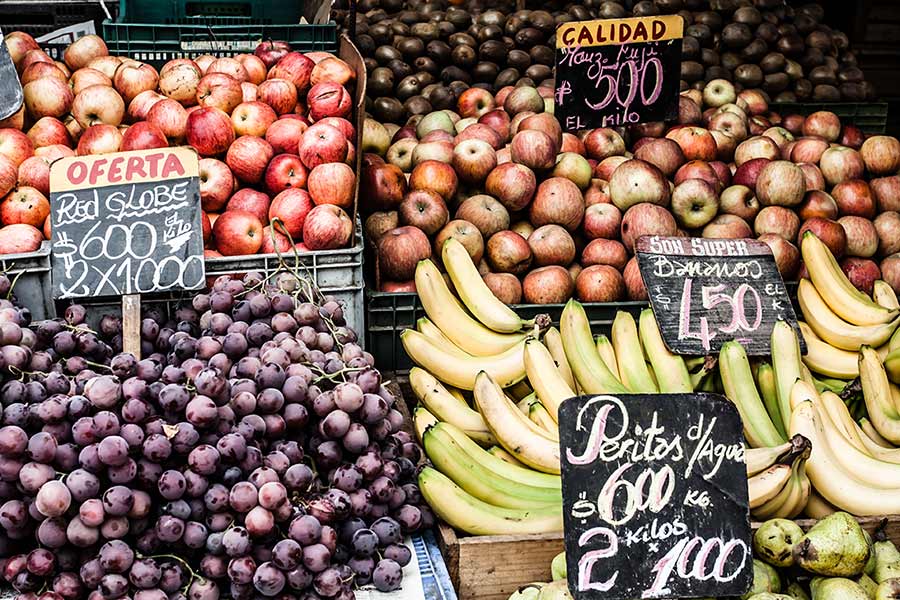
{"points": [[630, 355], [671, 372], [765, 381], [591, 373], [892, 365], [608, 354], [737, 379], [786, 362]]}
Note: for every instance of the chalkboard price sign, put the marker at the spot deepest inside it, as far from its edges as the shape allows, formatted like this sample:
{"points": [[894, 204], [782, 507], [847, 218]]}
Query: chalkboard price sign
{"points": [[617, 72], [705, 292], [654, 497], [126, 223], [10, 86]]}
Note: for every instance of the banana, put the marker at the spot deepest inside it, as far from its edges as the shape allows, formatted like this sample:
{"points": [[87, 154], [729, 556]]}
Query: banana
{"points": [[474, 293], [834, 330], [449, 459], [547, 380], [760, 459], [707, 370], [630, 355], [541, 417], [522, 405], [787, 364], [818, 507], [765, 382], [892, 366], [608, 354], [506, 423], [829, 478], [790, 501], [883, 295], [422, 420], [455, 323], [824, 359], [841, 296], [457, 393], [507, 368], [445, 407], [426, 327], [469, 514], [740, 388], [591, 373], [766, 485], [671, 371], [554, 343], [894, 342], [877, 393], [835, 409], [872, 433], [497, 460]]}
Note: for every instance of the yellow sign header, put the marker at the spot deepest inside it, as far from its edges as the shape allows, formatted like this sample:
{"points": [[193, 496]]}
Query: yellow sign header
{"points": [[137, 166], [611, 32]]}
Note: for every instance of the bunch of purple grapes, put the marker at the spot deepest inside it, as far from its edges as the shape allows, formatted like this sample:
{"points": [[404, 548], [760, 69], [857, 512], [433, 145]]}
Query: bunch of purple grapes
{"points": [[254, 452]]}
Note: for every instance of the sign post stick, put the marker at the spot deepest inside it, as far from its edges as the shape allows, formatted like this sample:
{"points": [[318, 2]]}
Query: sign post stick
{"points": [[131, 324]]}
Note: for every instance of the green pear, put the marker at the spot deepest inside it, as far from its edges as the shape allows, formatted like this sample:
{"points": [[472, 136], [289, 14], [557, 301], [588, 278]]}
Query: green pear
{"points": [[558, 590], [868, 584], [765, 579], [528, 592], [873, 560], [558, 567], [796, 591], [775, 539], [769, 596], [836, 588], [835, 546], [887, 561], [889, 589]]}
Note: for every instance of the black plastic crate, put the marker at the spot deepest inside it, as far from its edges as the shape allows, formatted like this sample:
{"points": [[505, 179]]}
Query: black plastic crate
{"points": [[871, 117], [40, 18]]}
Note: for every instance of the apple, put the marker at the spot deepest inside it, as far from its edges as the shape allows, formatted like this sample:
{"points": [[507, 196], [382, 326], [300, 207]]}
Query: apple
{"points": [[25, 205], [332, 183], [603, 142], [218, 90], [382, 187], [499, 121], [280, 94], [817, 203], [466, 234], [209, 131], [171, 119], [477, 131], [696, 143], [852, 137], [635, 182], [249, 92], [787, 255], [523, 228], [436, 176], [533, 149], [274, 242], [646, 219], [322, 144], [400, 250], [216, 184], [793, 123], [814, 178], [98, 104], [473, 160], [523, 99], [34, 56], [34, 172], [15, 145], [756, 147], [728, 227], [604, 252], [551, 245], [86, 48], [808, 150], [378, 223], [237, 233], [663, 153], [862, 236], [296, 68], [600, 283], [18, 43], [140, 106], [558, 201], [327, 227], [780, 183], [255, 68], [474, 102], [133, 78], [719, 92], [270, 52], [598, 193], [606, 167], [506, 287], [887, 225], [694, 203], [285, 171], [781, 136], [548, 285], [575, 168], [862, 273], [778, 220], [99, 139], [143, 136], [824, 124], [106, 65], [38, 70], [881, 155], [485, 212], [440, 151], [752, 101], [653, 129], [758, 125], [739, 200], [252, 201], [839, 164], [698, 169], [830, 232], [748, 173], [731, 124], [602, 221], [248, 156], [328, 99], [292, 207], [53, 152], [179, 80], [252, 118], [341, 124], [285, 134], [400, 153], [19, 238], [332, 69], [436, 121], [890, 270], [854, 197], [229, 66], [634, 283], [47, 97], [425, 210], [887, 192], [689, 112], [15, 120], [508, 252]]}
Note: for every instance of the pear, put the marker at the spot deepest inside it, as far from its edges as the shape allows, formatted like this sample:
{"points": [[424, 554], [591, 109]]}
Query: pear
{"points": [[558, 590], [558, 567], [775, 539], [796, 591], [769, 596], [887, 561], [873, 560], [528, 592], [868, 584], [836, 588], [889, 589], [765, 579], [835, 546]]}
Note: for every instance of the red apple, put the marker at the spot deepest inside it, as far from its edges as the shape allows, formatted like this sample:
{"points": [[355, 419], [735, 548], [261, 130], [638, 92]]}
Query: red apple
{"points": [[47, 97], [285, 171], [15, 145], [133, 78], [739, 200], [853, 197], [696, 143], [486, 213], [34, 172], [830, 232], [727, 227], [558, 201], [400, 250], [270, 52], [862, 236], [38, 70], [505, 286], [602, 221], [248, 158], [840, 164], [890, 271], [663, 153], [756, 147], [143, 136], [230, 66], [237, 233], [328, 99], [862, 273], [98, 104], [19, 238], [780, 183], [548, 285], [18, 43], [477, 131], [508, 252], [787, 255], [466, 234], [377, 224], [25, 205], [99, 139], [285, 135], [817, 203], [179, 79], [423, 209], [887, 192], [600, 283], [689, 112], [327, 227], [814, 178], [852, 137], [474, 102], [252, 201], [322, 144], [252, 118], [887, 225], [221, 91], [53, 152], [698, 169], [748, 173], [436, 176], [499, 121], [777, 220], [333, 69], [533, 149], [332, 183], [634, 283], [86, 48], [48, 131], [473, 160], [824, 124], [292, 207], [646, 219], [171, 119], [382, 187], [216, 184], [604, 252], [551, 245], [881, 154], [635, 182], [274, 242], [603, 142]]}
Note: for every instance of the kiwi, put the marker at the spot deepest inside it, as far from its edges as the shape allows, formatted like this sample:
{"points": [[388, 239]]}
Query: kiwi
{"points": [[539, 72], [464, 56], [748, 15], [772, 62], [749, 75], [485, 72], [776, 82], [388, 110], [518, 59], [508, 76], [737, 35], [408, 87], [380, 82], [826, 93], [417, 105], [691, 70]]}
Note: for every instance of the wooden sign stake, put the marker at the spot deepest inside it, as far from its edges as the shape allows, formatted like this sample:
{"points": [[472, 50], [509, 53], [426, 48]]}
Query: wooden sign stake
{"points": [[131, 324]]}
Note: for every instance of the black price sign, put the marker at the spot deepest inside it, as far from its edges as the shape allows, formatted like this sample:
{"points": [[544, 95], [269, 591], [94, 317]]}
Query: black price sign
{"points": [[705, 292], [126, 223], [618, 72], [10, 86], [654, 497]]}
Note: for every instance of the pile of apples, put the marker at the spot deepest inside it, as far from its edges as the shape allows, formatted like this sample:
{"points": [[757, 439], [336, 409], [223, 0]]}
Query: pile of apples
{"points": [[548, 214], [272, 129]]}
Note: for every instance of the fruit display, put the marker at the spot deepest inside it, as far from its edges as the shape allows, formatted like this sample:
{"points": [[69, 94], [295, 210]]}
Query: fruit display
{"points": [[548, 215], [421, 56], [252, 452], [274, 131]]}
